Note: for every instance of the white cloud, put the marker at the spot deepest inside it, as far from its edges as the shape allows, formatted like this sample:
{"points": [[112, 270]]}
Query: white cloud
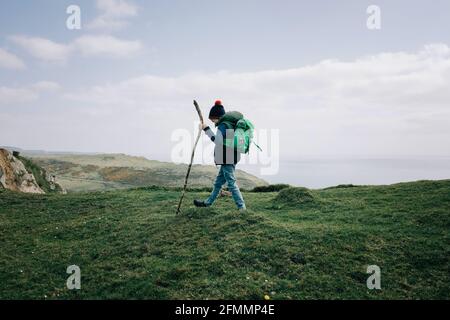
{"points": [[98, 45], [19, 95], [388, 103], [16, 95], [114, 14], [46, 86], [10, 61], [384, 79], [43, 49], [106, 45]]}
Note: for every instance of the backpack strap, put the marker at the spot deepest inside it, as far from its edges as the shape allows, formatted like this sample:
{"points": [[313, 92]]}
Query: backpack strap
{"points": [[227, 124], [232, 118]]}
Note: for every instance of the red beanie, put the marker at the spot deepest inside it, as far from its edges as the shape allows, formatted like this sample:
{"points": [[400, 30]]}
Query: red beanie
{"points": [[217, 111]]}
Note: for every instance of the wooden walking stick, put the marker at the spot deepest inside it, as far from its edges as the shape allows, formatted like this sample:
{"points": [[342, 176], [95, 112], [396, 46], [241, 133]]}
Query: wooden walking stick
{"points": [[192, 156]]}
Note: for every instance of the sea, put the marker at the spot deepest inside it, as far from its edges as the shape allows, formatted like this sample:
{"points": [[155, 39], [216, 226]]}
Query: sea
{"points": [[318, 172]]}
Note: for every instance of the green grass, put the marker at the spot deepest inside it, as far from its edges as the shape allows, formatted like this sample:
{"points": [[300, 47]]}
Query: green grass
{"points": [[130, 245]]}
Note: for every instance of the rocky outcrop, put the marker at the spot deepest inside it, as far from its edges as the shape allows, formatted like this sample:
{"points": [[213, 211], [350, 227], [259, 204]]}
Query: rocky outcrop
{"points": [[14, 176]]}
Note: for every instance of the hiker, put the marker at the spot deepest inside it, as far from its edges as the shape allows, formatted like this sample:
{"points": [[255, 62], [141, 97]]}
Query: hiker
{"points": [[226, 157]]}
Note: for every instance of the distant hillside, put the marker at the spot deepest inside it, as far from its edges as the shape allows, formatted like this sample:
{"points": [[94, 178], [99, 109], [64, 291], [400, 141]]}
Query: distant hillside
{"points": [[88, 172]]}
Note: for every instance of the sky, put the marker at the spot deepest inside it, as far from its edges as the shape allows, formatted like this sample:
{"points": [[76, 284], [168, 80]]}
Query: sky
{"points": [[310, 72]]}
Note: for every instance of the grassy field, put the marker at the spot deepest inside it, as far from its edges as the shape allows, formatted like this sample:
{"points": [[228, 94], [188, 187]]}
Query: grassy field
{"points": [[130, 245]]}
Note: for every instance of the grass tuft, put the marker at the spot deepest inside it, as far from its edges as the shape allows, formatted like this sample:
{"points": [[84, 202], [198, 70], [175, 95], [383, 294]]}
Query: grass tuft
{"points": [[295, 196]]}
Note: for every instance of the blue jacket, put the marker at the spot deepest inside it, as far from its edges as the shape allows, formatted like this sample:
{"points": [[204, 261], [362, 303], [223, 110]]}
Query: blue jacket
{"points": [[222, 153]]}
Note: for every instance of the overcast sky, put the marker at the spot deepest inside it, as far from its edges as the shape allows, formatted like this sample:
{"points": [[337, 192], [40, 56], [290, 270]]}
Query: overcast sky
{"points": [[311, 69]]}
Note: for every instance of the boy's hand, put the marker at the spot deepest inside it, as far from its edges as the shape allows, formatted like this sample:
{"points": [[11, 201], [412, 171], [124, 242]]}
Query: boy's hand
{"points": [[202, 126]]}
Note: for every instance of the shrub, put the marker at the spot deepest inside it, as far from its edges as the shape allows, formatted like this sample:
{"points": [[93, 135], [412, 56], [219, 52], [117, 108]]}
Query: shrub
{"points": [[270, 188], [39, 175], [341, 186]]}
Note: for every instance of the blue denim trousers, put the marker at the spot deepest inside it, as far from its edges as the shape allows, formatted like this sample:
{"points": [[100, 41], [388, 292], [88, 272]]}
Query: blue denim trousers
{"points": [[226, 174]]}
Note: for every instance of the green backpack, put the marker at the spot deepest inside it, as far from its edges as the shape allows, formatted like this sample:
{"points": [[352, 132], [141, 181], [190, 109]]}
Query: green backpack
{"points": [[243, 131]]}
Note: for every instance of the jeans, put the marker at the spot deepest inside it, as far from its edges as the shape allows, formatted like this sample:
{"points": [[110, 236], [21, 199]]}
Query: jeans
{"points": [[226, 174]]}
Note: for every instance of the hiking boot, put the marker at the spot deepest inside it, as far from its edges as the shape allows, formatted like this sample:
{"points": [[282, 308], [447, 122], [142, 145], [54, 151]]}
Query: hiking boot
{"points": [[200, 204]]}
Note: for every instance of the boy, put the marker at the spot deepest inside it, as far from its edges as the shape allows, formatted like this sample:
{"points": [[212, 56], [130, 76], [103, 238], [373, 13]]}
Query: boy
{"points": [[224, 156]]}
